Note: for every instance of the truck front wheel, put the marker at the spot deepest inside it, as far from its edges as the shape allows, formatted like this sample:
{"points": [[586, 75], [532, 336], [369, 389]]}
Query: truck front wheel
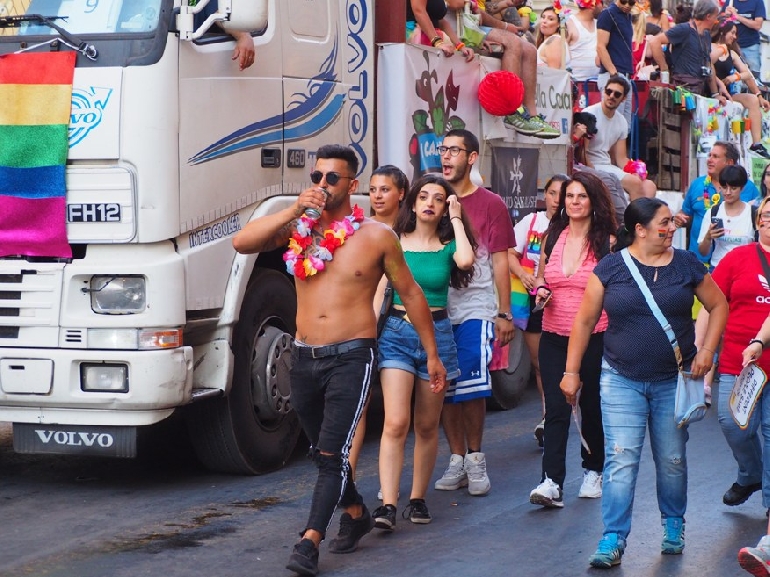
{"points": [[254, 429]]}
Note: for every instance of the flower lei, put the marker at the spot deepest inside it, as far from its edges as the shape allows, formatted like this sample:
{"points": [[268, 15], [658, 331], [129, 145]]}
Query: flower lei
{"points": [[708, 200], [304, 257]]}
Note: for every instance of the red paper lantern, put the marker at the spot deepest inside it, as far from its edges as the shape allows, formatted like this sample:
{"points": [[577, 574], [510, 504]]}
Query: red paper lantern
{"points": [[501, 93]]}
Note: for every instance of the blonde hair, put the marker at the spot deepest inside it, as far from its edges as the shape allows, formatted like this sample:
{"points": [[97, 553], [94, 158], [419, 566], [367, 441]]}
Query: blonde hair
{"points": [[639, 22], [762, 205]]}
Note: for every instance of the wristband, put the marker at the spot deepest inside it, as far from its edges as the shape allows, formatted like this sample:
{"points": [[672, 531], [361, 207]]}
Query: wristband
{"points": [[460, 46], [436, 40], [456, 217], [761, 342], [715, 95], [709, 350], [572, 374]]}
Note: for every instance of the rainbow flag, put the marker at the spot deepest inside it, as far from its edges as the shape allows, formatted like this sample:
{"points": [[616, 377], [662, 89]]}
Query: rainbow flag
{"points": [[35, 102]]}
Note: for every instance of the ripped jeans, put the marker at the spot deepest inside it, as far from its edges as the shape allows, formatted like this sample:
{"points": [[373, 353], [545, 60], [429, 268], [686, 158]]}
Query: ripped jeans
{"points": [[628, 407]]}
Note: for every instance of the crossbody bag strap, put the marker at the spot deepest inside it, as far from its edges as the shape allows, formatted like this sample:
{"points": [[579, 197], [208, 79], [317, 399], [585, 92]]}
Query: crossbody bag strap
{"points": [[763, 261], [657, 313]]}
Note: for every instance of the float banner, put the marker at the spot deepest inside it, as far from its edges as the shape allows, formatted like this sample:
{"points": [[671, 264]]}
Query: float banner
{"points": [[415, 114], [36, 92], [514, 178]]}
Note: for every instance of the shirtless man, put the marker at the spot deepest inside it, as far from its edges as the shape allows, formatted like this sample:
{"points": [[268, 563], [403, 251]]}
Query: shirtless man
{"points": [[335, 350]]}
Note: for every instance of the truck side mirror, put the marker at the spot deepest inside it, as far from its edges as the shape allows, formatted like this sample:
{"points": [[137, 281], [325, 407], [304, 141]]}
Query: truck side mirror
{"points": [[246, 15]]}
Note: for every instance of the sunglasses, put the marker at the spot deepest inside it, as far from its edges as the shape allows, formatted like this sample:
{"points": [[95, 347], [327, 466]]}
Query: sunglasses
{"points": [[615, 93], [332, 178], [627, 2]]}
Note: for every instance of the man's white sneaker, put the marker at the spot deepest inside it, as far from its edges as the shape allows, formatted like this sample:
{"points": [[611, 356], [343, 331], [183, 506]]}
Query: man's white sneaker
{"points": [[547, 494], [454, 477], [592, 485], [476, 469]]}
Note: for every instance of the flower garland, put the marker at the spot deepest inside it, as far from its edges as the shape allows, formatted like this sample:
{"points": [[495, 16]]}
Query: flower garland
{"points": [[305, 257], [708, 200]]}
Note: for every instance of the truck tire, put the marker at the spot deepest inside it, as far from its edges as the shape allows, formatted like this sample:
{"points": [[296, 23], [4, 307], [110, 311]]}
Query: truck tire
{"points": [[254, 429], [508, 385]]}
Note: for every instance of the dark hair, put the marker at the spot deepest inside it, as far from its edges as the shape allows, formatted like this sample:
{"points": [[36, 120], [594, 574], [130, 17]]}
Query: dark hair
{"points": [[558, 177], [733, 175], [656, 8], [406, 221], [731, 151], [340, 152], [683, 13], [469, 139], [395, 173], [762, 187], [639, 211], [603, 223], [618, 79], [720, 30]]}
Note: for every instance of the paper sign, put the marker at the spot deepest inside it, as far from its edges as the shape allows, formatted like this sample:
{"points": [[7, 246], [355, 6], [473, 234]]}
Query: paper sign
{"points": [[746, 390]]}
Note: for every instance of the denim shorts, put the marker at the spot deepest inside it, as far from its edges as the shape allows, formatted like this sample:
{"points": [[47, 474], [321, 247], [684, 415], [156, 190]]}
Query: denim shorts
{"points": [[400, 348]]}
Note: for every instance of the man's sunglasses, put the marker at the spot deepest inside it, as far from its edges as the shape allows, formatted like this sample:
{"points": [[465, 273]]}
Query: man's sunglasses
{"points": [[627, 2], [332, 178], [615, 93]]}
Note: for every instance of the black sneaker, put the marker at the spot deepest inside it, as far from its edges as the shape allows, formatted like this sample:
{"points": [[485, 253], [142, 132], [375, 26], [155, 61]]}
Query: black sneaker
{"points": [[757, 148], [738, 494], [417, 512], [385, 517], [304, 558], [351, 531]]}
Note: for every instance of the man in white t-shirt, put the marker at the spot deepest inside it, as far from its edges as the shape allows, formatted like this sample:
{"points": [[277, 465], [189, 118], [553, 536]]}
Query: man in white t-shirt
{"points": [[606, 151]]}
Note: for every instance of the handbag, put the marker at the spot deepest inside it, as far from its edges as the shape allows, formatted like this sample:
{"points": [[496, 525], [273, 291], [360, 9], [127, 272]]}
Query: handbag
{"points": [[469, 27], [387, 302], [520, 298], [690, 400]]}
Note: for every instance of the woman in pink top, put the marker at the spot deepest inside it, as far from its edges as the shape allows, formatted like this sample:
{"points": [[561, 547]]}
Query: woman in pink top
{"points": [[580, 233]]}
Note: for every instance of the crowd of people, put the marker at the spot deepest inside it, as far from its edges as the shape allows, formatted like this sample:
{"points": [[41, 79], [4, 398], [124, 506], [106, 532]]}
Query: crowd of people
{"points": [[447, 249], [418, 295]]}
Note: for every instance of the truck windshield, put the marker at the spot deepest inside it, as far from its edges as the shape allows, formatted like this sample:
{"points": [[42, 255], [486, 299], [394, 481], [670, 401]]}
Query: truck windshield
{"points": [[86, 16]]}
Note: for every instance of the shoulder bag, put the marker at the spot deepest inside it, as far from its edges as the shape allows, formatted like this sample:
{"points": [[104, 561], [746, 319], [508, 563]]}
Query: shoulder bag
{"points": [[690, 404]]}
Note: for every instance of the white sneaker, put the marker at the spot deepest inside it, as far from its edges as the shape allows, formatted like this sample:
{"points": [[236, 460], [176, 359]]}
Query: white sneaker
{"points": [[592, 485], [476, 469], [454, 477], [547, 494]]}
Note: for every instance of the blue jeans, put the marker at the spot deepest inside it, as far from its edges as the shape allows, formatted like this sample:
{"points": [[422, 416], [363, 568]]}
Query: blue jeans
{"points": [[747, 447], [751, 54], [628, 408]]}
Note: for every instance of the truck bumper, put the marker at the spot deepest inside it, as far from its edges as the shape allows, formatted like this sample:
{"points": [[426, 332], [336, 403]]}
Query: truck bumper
{"points": [[158, 381]]}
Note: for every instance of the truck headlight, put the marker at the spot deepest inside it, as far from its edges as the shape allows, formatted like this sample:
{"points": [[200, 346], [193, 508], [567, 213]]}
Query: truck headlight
{"points": [[104, 377], [118, 295]]}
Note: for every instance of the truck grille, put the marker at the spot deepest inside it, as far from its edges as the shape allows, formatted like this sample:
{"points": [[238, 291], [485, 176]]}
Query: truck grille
{"points": [[29, 309]]}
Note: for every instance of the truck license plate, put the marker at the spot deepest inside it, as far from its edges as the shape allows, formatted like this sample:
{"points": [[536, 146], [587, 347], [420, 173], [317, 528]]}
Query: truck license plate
{"points": [[74, 440], [94, 212]]}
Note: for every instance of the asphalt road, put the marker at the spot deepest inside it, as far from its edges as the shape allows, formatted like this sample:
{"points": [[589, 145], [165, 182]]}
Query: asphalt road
{"points": [[164, 516]]}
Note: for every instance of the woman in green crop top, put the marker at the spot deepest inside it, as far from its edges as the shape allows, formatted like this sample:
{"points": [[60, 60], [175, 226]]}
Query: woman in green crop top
{"points": [[440, 251]]}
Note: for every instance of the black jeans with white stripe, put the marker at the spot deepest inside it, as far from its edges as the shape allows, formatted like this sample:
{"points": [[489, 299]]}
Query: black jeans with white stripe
{"points": [[329, 395]]}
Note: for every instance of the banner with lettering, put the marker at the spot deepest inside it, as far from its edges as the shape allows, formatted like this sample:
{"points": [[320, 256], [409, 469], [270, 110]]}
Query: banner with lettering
{"points": [[514, 178], [746, 390], [417, 113], [36, 96]]}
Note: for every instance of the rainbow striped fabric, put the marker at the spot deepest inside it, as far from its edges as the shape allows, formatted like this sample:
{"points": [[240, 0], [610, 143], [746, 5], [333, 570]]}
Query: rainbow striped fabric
{"points": [[35, 97]]}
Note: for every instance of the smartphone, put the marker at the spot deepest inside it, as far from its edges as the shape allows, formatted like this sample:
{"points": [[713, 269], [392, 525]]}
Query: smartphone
{"points": [[718, 222], [541, 305]]}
